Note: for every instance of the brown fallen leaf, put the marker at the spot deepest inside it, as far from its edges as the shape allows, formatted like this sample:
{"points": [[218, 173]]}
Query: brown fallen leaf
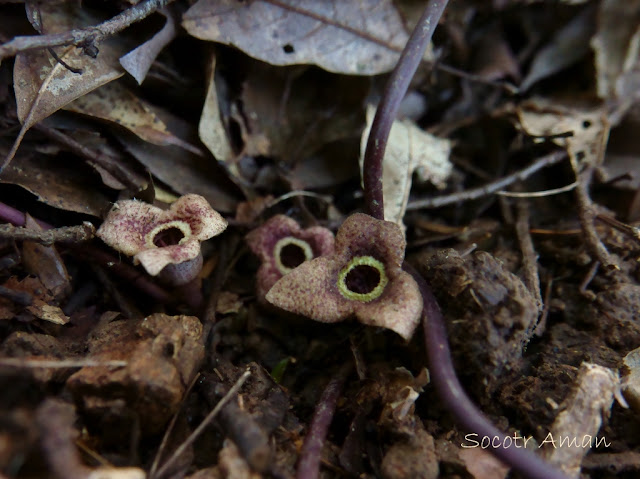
{"points": [[481, 464], [184, 171], [361, 37], [56, 183], [42, 85], [117, 104]]}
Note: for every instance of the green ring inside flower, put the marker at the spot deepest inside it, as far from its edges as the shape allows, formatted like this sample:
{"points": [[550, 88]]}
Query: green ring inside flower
{"points": [[299, 249], [183, 226], [359, 262]]}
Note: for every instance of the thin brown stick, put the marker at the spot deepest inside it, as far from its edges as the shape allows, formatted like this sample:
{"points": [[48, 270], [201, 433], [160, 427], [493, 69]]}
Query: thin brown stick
{"points": [[60, 363], [87, 38], [489, 188], [587, 214], [169, 430], [203, 425], [632, 231], [529, 257], [65, 234]]}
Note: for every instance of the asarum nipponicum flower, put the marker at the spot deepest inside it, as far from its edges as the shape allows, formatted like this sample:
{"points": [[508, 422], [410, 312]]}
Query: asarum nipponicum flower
{"points": [[364, 277], [166, 241], [282, 245]]}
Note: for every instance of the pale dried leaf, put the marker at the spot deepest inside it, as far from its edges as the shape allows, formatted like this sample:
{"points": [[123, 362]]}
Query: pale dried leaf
{"points": [[581, 418], [409, 149], [117, 104], [631, 379], [47, 312], [117, 473], [361, 37], [42, 86], [211, 128], [617, 48], [138, 61], [588, 127], [567, 46], [482, 464]]}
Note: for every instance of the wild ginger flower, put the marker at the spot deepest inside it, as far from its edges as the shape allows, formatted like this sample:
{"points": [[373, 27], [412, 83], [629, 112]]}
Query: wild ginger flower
{"points": [[363, 277], [163, 240], [282, 245]]}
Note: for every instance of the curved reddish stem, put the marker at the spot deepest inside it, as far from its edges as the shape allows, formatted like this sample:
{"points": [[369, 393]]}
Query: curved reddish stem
{"points": [[394, 92]]}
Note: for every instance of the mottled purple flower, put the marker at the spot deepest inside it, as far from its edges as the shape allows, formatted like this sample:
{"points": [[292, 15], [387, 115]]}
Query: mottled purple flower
{"points": [[282, 245], [362, 278], [163, 239]]}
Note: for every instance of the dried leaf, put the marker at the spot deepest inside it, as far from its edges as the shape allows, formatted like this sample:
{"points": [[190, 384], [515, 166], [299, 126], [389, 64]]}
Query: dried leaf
{"points": [[617, 48], [211, 128], [138, 61], [587, 127], [42, 85], [567, 46], [409, 149], [58, 184], [361, 37], [290, 113], [40, 307], [184, 171], [117, 104], [45, 263]]}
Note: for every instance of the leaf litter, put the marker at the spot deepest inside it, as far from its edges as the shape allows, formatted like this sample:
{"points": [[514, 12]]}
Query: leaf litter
{"points": [[266, 116]]}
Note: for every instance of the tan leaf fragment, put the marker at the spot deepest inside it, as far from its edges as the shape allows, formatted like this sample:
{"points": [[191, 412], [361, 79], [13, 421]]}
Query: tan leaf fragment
{"points": [[211, 128], [360, 37], [574, 430], [584, 130], [409, 150], [631, 379], [117, 104]]}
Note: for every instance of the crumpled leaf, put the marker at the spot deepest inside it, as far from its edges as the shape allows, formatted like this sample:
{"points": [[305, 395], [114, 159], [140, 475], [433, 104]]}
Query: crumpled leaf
{"points": [[588, 127], [361, 37], [409, 149], [617, 49], [42, 85], [138, 61], [566, 47], [117, 104]]}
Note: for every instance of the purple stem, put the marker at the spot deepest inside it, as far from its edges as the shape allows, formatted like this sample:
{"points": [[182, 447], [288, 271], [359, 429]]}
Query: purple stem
{"points": [[387, 111], [139, 280], [309, 463], [456, 400]]}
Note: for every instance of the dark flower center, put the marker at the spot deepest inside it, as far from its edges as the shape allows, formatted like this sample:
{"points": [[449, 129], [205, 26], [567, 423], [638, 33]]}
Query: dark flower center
{"points": [[362, 279], [292, 255], [168, 237], [290, 252]]}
